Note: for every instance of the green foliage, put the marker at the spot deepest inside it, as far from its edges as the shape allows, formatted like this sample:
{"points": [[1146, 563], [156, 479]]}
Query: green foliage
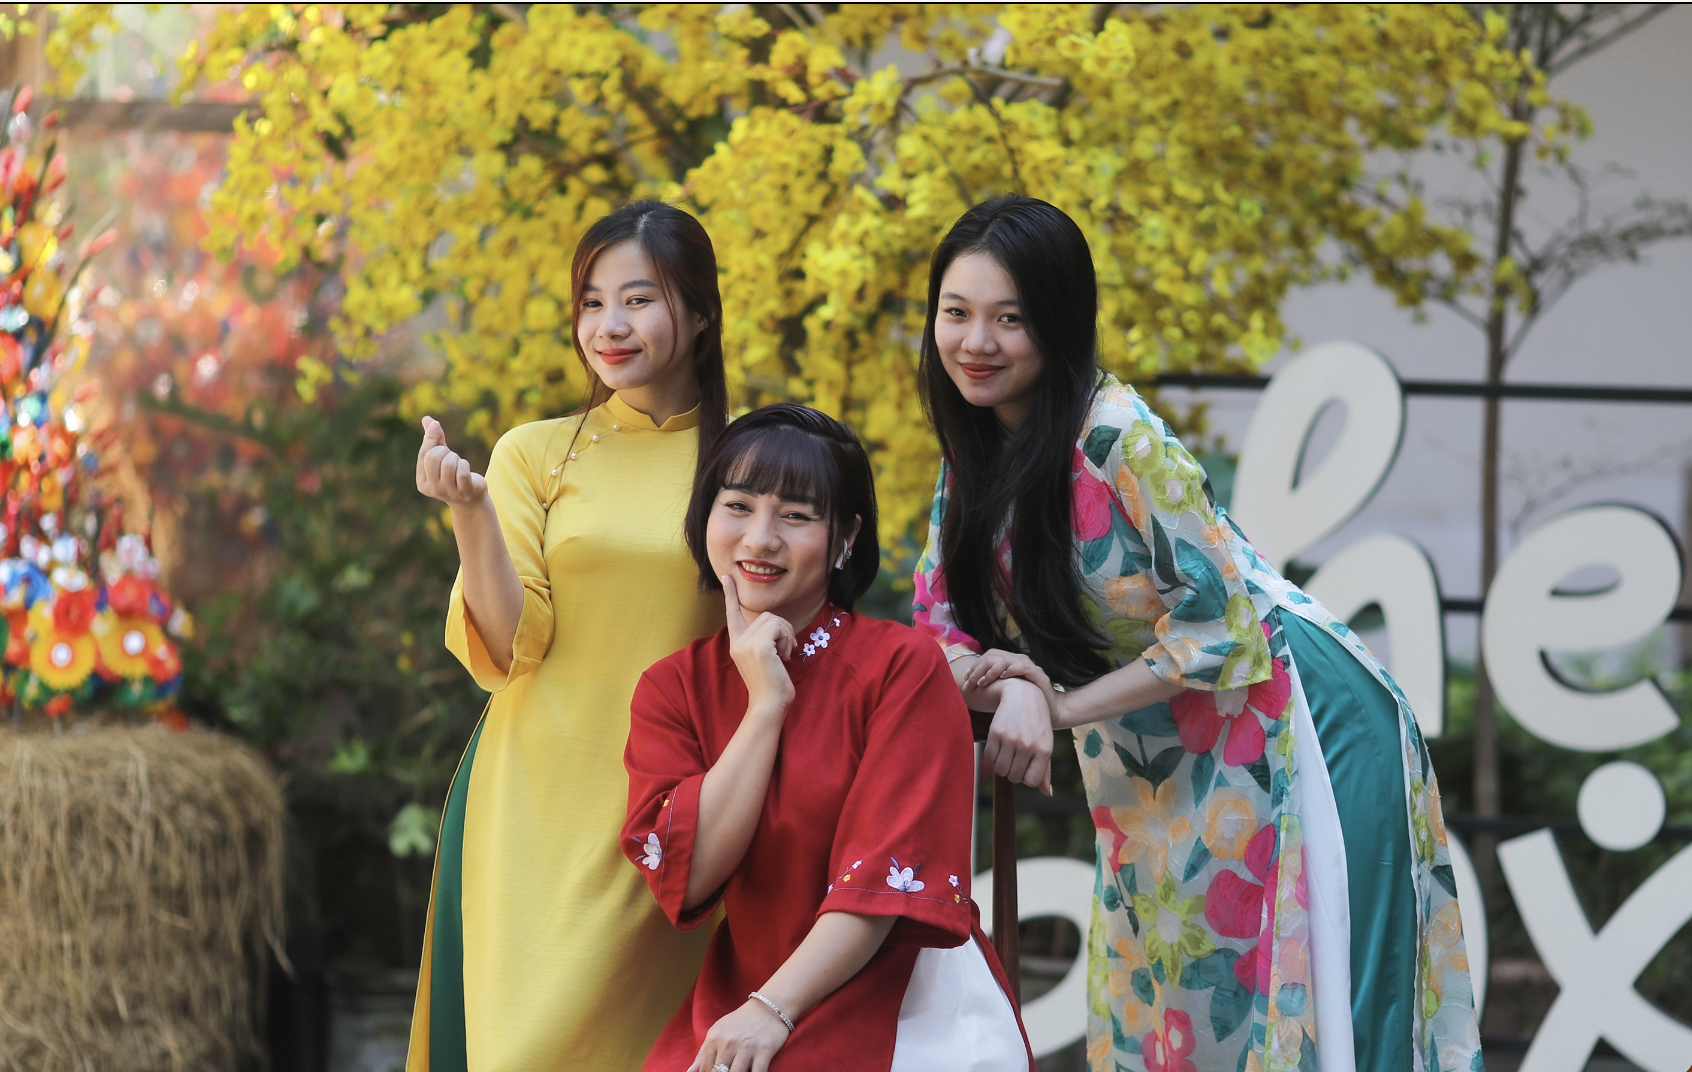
{"points": [[336, 669], [340, 673]]}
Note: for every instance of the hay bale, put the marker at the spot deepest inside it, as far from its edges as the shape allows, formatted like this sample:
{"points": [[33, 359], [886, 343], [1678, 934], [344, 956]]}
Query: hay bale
{"points": [[140, 890]]}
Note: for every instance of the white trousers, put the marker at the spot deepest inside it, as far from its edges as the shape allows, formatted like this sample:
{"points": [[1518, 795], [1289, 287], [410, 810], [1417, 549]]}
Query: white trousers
{"points": [[955, 1018]]}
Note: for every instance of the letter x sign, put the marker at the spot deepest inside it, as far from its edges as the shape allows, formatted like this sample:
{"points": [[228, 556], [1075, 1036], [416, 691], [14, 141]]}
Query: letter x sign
{"points": [[1595, 972]]}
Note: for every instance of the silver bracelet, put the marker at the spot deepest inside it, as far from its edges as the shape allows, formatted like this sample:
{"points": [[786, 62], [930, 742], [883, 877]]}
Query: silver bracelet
{"points": [[773, 1007]]}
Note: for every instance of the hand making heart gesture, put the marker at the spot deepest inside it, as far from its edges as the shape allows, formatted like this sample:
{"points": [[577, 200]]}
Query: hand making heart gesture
{"points": [[442, 474]]}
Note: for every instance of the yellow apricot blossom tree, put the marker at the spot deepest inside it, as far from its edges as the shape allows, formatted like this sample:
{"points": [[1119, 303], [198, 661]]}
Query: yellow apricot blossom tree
{"points": [[1215, 156]]}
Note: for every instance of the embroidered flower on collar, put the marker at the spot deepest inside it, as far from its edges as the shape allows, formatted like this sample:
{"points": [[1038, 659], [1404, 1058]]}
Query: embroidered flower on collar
{"points": [[653, 852], [820, 636], [904, 879]]}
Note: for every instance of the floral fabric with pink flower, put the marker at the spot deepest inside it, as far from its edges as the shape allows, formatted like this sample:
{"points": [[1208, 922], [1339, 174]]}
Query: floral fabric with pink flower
{"points": [[1199, 954]]}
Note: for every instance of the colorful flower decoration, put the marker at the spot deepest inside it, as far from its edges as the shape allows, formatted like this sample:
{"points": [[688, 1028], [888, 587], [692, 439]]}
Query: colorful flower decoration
{"points": [[1234, 907], [1201, 717], [1170, 1048], [1148, 828], [80, 611], [1230, 822], [1093, 502], [1172, 939], [123, 644], [61, 660]]}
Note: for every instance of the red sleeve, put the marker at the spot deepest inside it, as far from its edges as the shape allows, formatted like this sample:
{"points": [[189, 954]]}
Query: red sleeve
{"points": [[902, 846], [666, 766]]}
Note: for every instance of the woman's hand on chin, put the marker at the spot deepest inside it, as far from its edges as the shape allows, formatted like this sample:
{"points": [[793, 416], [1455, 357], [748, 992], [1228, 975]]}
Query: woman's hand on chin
{"points": [[759, 648], [745, 1040], [1019, 742]]}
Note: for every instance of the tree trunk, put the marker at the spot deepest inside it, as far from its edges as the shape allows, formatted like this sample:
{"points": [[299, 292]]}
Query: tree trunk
{"points": [[1486, 784]]}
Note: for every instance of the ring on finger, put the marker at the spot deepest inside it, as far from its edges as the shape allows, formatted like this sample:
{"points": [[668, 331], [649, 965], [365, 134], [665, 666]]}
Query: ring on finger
{"points": [[719, 1067]]}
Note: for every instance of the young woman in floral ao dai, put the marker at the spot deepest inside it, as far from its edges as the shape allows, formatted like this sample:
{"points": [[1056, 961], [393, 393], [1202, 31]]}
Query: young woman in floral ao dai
{"points": [[1274, 890]]}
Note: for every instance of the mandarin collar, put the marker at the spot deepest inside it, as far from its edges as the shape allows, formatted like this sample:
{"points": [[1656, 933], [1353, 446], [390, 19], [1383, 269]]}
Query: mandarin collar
{"points": [[629, 417]]}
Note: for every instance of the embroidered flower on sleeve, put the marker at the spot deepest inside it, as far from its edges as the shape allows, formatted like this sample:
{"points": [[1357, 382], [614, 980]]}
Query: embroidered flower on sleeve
{"points": [[904, 879], [653, 853]]}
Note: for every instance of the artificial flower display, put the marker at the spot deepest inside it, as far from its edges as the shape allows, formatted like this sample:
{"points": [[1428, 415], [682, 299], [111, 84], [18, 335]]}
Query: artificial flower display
{"points": [[81, 617]]}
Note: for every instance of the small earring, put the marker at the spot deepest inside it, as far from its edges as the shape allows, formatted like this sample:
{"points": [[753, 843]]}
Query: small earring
{"points": [[840, 563]]}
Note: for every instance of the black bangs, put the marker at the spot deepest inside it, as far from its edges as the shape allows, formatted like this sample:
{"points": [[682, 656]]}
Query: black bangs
{"points": [[801, 455], [783, 461]]}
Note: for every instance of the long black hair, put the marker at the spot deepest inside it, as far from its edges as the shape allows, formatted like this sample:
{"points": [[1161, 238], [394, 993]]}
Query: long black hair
{"points": [[686, 262], [1023, 474], [801, 454]]}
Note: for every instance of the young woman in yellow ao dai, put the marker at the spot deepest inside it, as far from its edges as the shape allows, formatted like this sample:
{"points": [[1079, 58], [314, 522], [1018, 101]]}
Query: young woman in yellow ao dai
{"points": [[544, 950]]}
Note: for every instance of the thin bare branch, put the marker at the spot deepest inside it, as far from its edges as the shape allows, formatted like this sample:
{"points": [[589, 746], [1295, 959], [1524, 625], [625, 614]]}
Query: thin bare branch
{"points": [[1624, 26], [964, 70], [510, 13], [1456, 305], [1622, 237], [1542, 483], [800, 22]]}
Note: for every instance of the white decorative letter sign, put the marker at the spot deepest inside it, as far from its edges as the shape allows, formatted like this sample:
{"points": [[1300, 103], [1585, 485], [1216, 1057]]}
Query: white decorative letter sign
{"points": [[1526, 616], [1282, 515], [1394, 573], [1050, 886], [1282, 519], [1595, 972]]}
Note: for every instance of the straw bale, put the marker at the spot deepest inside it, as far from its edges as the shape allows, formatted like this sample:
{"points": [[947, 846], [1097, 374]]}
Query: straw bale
{"points": [[140, 895]]}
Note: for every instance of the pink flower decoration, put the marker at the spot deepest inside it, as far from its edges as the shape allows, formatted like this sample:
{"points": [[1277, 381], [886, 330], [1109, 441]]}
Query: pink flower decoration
{"points": [[1103, 820], [1301, 889], [1265, 954], [1169, 1050], [1260, 853], [1234, 907], [1270, 697], [931, 589], [1245, 969], [930, 594], [1092, 505], [1245, 740], [1196, 720], [1200, 717]]}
